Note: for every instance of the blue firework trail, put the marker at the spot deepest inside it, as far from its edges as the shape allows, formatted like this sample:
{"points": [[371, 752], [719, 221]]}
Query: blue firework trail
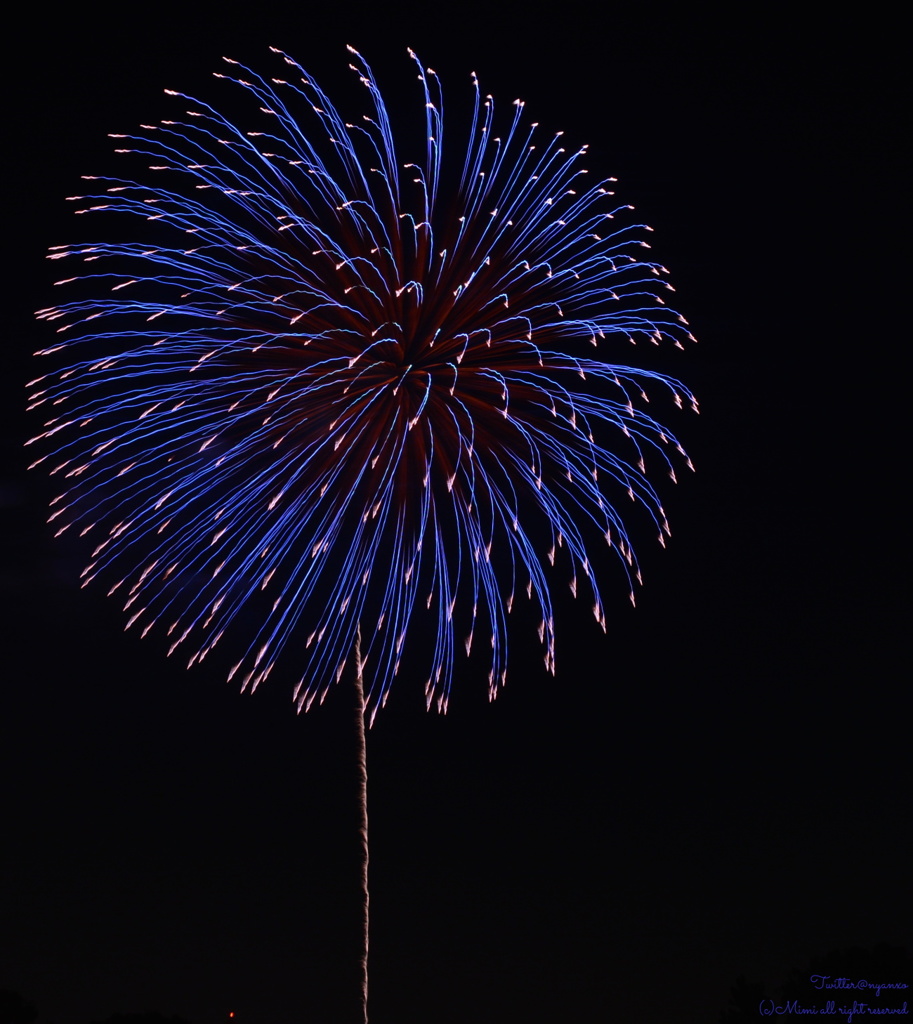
{"points": [[329, 386]]}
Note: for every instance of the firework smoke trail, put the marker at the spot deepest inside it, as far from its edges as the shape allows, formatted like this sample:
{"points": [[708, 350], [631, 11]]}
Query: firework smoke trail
{"points": [[362, 755], [329, 387]]}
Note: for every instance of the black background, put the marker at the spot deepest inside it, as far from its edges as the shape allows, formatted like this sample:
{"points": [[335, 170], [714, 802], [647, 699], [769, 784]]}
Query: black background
{"points": [[718, 787]]}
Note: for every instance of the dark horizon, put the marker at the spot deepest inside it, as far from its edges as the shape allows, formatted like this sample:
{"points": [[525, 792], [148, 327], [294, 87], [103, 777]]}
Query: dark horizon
{"points": [[718, 787]]}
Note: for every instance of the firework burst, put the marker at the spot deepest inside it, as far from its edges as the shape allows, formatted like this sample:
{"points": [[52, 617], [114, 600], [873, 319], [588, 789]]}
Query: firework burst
{"points": [[331, 387]]}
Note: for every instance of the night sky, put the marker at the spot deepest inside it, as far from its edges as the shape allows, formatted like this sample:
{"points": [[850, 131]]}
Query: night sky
{"points": [[717, 787]]}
